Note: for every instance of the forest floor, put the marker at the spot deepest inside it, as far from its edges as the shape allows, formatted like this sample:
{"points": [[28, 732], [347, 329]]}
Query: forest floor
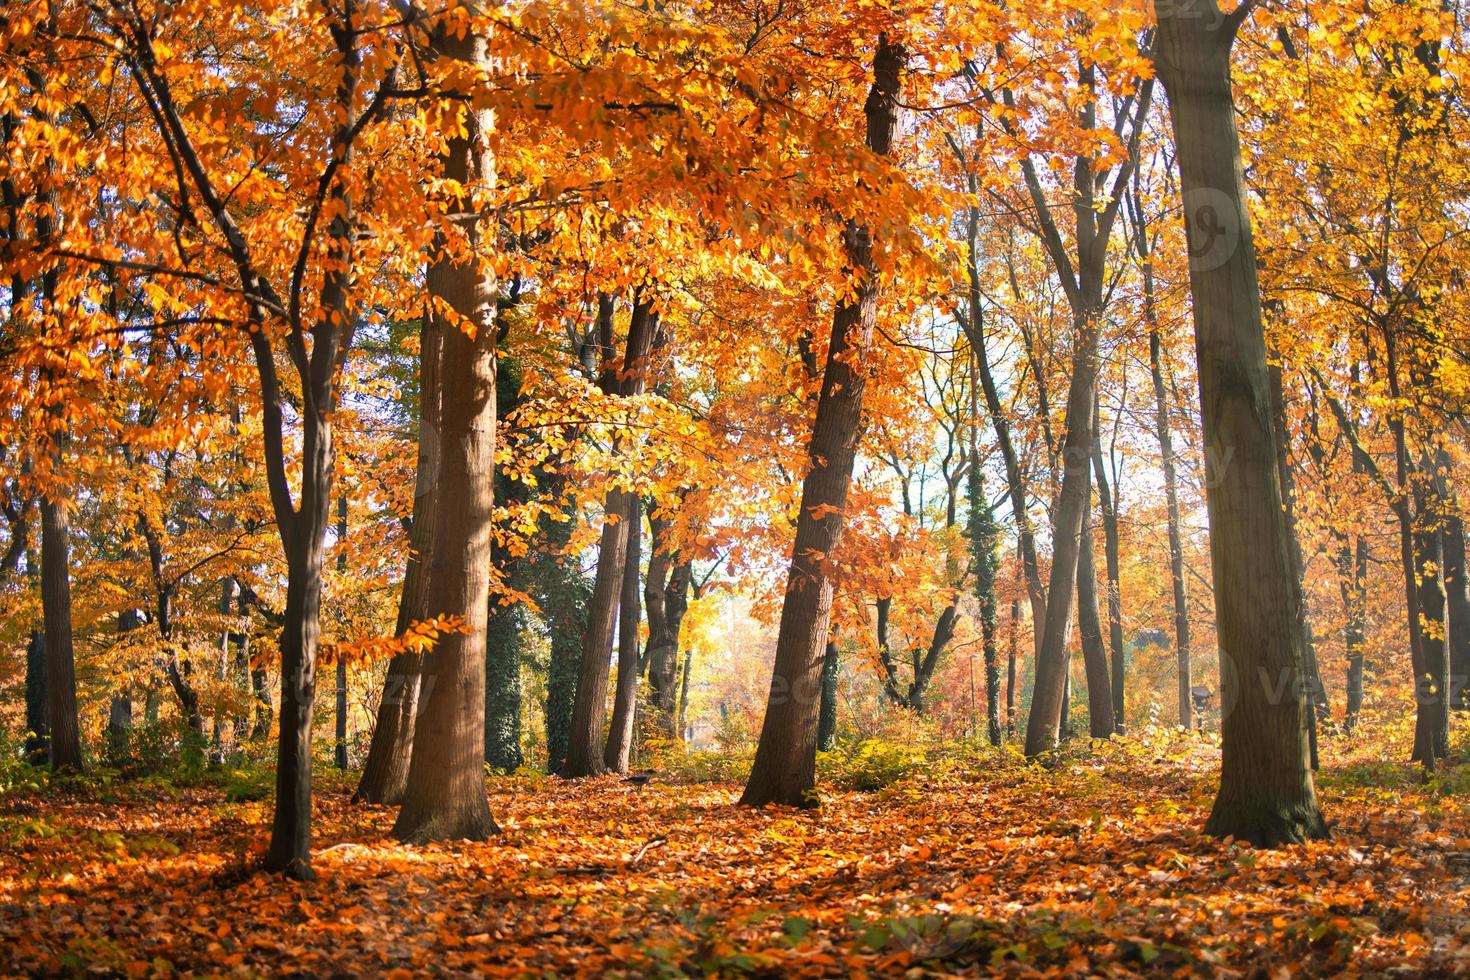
{"points": [[983, 864]]}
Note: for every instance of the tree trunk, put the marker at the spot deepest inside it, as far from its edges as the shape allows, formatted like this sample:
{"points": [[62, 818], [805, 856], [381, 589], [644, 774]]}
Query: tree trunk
{"points": [[1317, 705], [1094, 655], [120, 712], [385, 772], [61, 677], [784, 770], [564, 595], [1176, 534], [1014, 648], [1431, 730], [38, 732], [503, 688], [827, 716], [683, 717], [445, 795], [984, 543], [625, 697], [589, 712], [1044, 725], [1112, 553], [1457, 608], [1266, 791], [340, 743], [1352, 582]]}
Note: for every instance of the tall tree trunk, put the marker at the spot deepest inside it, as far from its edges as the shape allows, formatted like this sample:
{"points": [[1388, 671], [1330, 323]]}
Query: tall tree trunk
{"points": [[1318, 708], [984, 545], [827, 717], [784, 770], [61, 675], [1266, 791], [226, 637], [1457, 608], [625, 697], [564, 595], [1013, 650], [445, 795], [1045, 723], [666, 595], [503, 636], [120, 712], [683, 716], [1176, 533], [589, 713], [1117, 652], [1094, 655], [385, 772], [1431, 694], [1352, 580], [339, 752], [38, 731]]}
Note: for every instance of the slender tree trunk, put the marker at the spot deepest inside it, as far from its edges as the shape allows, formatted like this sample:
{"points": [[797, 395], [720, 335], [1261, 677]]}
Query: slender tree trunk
{"points": [[61, 676], [340, 743], [445, 795], [984, 542], [564, 594], [1266, 791], [38, 731], [1457, 609], [683, 718], [1432, 691], [1094, 655], [1353, 582], [226, 607], [385, 772], [1044, 725], [589, 713], [505, 629], [1014, 648], [784, 770], [625, 697], [1176, 534], [120, 712], [827, 717], [1316, 694], [1117, 653]]}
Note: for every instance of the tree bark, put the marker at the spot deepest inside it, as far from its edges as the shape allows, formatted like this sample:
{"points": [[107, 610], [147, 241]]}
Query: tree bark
{"points": [[38, 731], [784, 770], [1117, 652], [827, 716], [385, 772], [1094, 655], [61, 676], [503, 636], [1266, 791], [1457, 609], [340, 743], [589, 712], [1176, 534], [445, 795], [120, 711], [625, 697]]}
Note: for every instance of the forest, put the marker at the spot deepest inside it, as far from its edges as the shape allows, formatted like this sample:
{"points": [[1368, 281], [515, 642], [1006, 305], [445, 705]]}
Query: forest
{"points": [[734, 487]]}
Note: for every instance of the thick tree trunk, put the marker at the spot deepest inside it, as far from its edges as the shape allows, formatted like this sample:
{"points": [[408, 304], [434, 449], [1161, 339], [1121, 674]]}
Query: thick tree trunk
{"points": [[445, 795], [784, 770], [666, 595], [827, 716], [61, 676], [589, 712], [1431, 729], [1266, 791], [682, 719], [625, 696]]}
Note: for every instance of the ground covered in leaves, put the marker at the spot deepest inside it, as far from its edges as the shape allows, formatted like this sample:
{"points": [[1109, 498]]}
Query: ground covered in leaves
{"points": [[980, 863]]}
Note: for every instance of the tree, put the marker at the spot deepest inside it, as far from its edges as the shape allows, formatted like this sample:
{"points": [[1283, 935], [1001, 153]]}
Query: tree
{"points": [[1266, 791], [444, 798], [784, 770]]}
